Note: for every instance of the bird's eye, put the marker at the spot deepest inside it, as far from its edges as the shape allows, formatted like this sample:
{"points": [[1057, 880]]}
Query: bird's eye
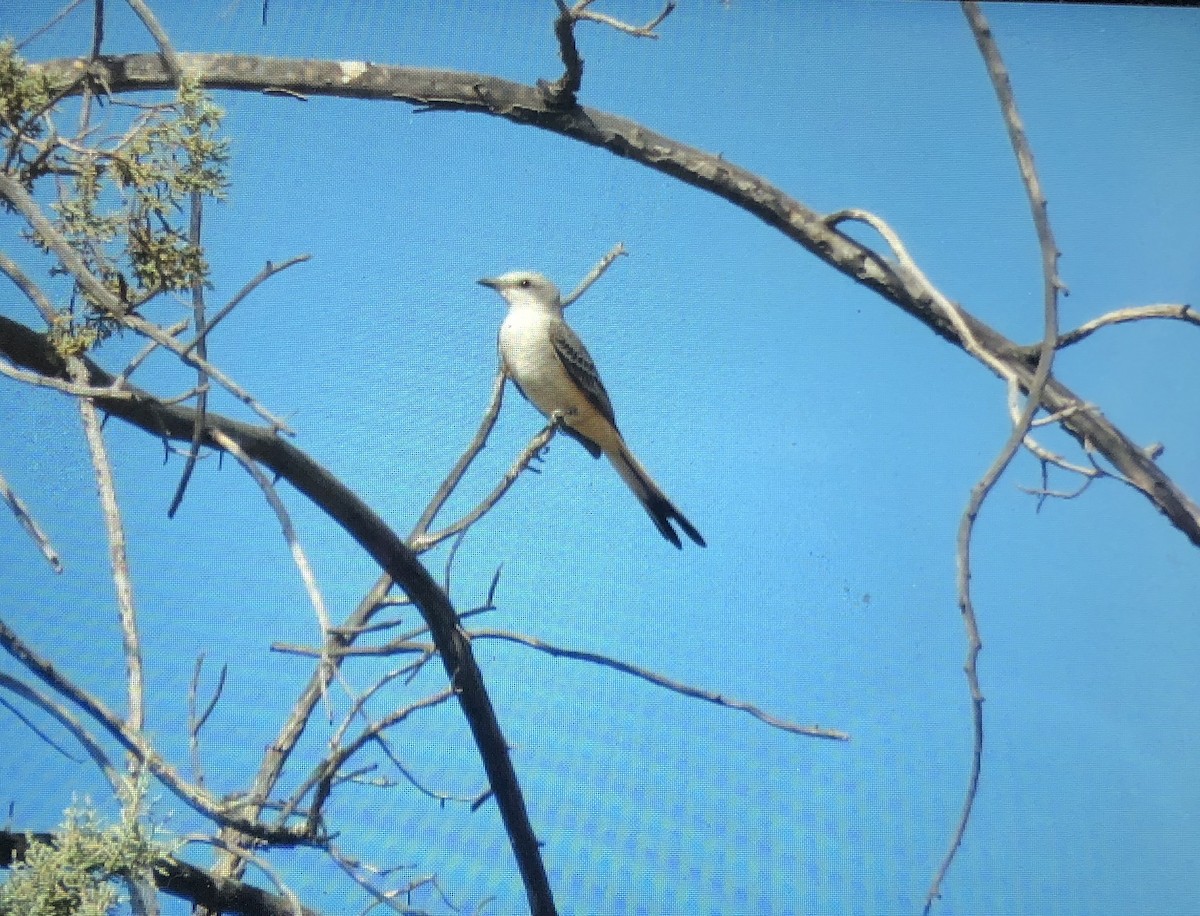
{"points": [[525, 284]]}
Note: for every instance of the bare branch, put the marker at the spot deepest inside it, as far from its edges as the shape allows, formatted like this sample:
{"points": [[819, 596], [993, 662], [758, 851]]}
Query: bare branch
{"points": [[49, 24], [34, 292], [289, 533], [321, 781], [531, 451], [460, 467], [67, 720], [118, 557], [137, 744], [595, 273], [29, 523], [197, 721], [196, 218], [638, 31], [49, 381], [143, 354], [1051, 286], [812, 731], [159, 34], [265, 274], [1176, 311]]}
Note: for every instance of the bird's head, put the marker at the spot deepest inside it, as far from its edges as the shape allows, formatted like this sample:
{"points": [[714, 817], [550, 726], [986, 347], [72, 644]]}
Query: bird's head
{"points": [[525, 288]]}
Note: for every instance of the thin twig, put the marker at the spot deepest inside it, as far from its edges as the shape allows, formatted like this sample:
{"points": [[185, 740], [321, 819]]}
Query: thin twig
{"points": [[1051, 285], [159, 34], [289, 533], [530, 452], [195, 221], [595, 273], [265, 274], [32, 291], [29, 523], [137, 744], [320, 782], [812, 731], [118, 555], [638, 31], [460, 467], [151, 345], [68, 720], [1176, 311], [50, 23], [197, 721], [56, 384]]}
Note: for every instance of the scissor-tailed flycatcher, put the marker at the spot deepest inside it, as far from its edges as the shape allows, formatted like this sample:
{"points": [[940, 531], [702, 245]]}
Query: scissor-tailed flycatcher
{"points": [[551, 367]]}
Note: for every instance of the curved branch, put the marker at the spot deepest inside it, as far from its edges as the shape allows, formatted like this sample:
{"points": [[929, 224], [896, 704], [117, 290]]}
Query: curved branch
{"points": [[27, 348], [451, 90]]}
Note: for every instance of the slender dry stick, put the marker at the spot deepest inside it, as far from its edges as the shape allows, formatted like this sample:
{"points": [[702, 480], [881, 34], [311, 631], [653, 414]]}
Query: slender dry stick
{"points": [[687, 690], [143, 354], [460, 467], [57, 384], [49, 24], [159, 34], [289, 533], [118, 555], [30, 524], [265, 274], [33, 292], [1051, 284], [595, 273], [1176, 311], [137, 744], [195, 222], [637, 31], [531, 451], [320, 783], [197, 720], [71, 723]]}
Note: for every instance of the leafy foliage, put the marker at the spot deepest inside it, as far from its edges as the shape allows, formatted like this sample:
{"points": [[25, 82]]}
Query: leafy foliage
{"points": [[79, 872], [122, 189]]}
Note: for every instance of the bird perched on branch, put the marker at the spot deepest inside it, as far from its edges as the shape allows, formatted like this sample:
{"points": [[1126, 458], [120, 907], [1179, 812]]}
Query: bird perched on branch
{"points": [[552, 369]]}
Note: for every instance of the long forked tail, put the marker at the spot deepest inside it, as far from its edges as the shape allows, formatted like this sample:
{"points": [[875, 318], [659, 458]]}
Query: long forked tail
{"points": [[660, 509]]}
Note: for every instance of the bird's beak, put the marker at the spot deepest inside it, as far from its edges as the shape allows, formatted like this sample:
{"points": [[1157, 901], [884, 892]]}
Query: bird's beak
{"points": [[490, 282]]}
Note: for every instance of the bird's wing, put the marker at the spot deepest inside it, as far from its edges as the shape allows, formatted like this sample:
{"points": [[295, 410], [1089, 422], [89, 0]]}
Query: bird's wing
{"points": [[578, 363]]}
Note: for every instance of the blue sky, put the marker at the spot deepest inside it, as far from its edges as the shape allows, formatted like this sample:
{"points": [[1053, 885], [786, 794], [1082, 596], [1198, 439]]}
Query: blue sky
{"points": [[823, 442]]}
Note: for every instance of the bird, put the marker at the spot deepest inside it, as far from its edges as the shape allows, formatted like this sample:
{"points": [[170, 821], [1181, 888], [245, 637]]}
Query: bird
{"points": [[553, 370]]}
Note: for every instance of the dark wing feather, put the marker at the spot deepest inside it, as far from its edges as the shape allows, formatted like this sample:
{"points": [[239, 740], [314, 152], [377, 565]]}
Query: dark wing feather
{"points": [[578, 363]]}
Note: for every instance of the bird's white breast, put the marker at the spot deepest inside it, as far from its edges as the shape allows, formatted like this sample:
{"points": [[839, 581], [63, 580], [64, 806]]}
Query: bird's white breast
{"points": [[531, 360]]}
